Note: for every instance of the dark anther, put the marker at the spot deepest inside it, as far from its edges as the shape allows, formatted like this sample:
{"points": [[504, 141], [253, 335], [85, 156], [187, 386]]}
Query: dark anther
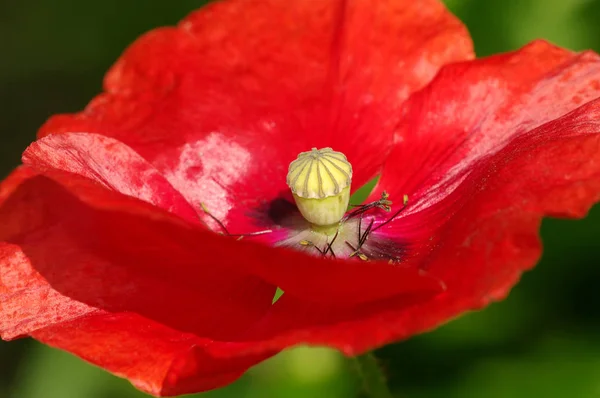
{"points": [[400, 210], [384, 204]]}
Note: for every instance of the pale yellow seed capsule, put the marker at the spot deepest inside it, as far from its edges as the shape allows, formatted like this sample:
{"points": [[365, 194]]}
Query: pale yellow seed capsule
{"points": [[320, 181]]}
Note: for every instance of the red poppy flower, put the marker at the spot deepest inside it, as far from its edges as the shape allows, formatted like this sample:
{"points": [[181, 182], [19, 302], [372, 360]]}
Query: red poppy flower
{"points": [[106, 251]]}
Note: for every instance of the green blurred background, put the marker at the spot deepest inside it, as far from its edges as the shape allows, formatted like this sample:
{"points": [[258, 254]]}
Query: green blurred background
{"points": [[542, 341]]}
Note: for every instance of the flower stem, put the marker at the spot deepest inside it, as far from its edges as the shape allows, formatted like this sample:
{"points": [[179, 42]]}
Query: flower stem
{"points": [[373, 379]]}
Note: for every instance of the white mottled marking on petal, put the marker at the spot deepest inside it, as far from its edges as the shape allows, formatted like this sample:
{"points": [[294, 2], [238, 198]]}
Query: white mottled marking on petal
{"points": [[206, 171]]}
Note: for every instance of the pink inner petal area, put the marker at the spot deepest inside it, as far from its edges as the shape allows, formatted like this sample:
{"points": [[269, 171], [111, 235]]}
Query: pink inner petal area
{"points": [[223, 103]]}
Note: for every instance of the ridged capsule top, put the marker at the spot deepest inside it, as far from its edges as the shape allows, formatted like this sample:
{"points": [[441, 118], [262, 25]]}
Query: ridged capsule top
{"points": [[319, 173]]}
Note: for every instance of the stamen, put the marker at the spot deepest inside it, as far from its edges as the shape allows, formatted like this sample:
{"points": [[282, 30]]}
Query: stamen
{"points": [[404, 203], [363, 239], [226, 231], [356, 252], [359, 228], [362, 236], [263, 232], [215, 219], [311, 244], [327, 249], [383, 203]]}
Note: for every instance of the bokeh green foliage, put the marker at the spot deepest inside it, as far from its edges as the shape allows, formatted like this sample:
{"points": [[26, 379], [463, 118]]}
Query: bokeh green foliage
{"points": [[542, 341]]}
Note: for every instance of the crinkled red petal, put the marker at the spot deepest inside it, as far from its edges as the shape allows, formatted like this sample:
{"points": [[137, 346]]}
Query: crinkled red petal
{"points": [[223, 103]]}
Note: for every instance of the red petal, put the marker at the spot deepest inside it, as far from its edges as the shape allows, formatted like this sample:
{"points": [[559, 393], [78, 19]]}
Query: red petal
{"points": [[553, 170], [223, 103], [111, 164], [74, 278], [353, 329], [12, 182], [473, 109], [101, 275], [485, 151], [64, 256], [155, 358]]}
